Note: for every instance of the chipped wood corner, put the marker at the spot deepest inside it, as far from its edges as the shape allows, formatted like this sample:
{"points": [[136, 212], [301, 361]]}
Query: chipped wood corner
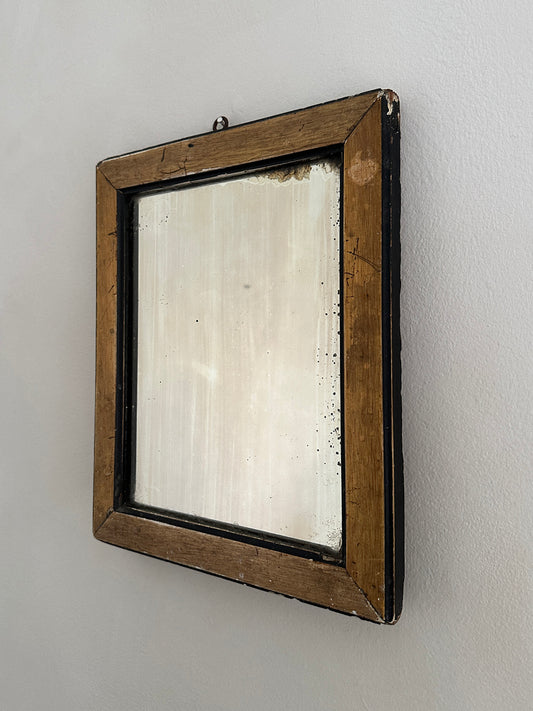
{"points": [[368, 582]]}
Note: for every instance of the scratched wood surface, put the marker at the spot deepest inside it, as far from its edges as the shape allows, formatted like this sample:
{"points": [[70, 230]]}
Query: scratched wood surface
{"points": [[106, 348], [363, 445], [309, 129], [357, 588], [309, 580]]}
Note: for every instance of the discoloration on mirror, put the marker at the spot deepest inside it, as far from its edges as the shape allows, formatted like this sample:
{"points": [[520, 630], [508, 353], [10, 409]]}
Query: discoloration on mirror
{"points": [[300, 171], [238, 390]]}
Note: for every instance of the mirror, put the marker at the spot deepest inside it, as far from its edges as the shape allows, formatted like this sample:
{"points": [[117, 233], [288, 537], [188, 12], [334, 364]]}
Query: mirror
{"points": [[247, 354], [238, 352]]}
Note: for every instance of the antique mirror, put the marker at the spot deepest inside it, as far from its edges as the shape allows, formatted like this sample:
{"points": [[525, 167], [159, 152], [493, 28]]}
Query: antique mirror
{"points": [[247, 378]]}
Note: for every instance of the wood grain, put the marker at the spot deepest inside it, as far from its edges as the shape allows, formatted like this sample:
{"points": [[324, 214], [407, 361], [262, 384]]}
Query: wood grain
{"points": [[359, 587], [363, 395], [319, 583], [305, 130], [106, 348]]}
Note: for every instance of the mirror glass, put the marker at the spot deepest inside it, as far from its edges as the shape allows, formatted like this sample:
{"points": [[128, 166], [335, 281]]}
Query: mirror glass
{"points": [[238, 352]]}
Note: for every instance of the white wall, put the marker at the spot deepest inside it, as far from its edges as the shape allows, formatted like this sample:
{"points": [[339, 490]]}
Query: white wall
{"points": [[89, 627]]}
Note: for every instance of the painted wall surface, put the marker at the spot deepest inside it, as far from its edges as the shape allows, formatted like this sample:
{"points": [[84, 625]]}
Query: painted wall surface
{"points": [[90, 627]]}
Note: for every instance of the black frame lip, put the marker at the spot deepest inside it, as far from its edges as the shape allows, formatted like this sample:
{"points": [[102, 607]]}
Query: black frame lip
{"points": [[127, 363], [392, 424]]}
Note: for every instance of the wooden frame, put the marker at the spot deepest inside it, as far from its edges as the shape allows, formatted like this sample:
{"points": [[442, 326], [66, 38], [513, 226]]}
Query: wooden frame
{"points": [[368, 580]]}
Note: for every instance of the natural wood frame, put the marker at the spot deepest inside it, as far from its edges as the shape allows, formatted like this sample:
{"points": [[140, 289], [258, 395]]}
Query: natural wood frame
{"points": [[369, 581]]}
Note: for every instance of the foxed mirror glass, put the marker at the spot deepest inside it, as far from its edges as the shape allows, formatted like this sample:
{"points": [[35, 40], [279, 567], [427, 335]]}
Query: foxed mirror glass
{"points": [[248, 418], [238, 351]]}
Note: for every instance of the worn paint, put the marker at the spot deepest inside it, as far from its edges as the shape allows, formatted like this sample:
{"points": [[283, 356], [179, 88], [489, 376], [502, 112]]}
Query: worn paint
{"points": [[363, 169], [391, 97]]}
